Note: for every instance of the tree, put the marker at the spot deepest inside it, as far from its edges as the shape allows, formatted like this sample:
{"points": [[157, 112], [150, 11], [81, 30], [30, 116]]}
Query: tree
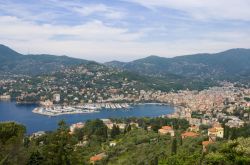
{"points": [[155, 127], [115, 131], [247, 110], [26, 142], [35, 158], [60, 147], [174, 146], [180, 140], [11, 142], [154, 161], [96, 129], [127, 128], [232, 152], [233, 134], [226, 132], [79, 133]]}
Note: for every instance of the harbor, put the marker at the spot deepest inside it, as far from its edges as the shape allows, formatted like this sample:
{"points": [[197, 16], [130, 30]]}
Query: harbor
{"points": [[22, 113], [56, 110]]}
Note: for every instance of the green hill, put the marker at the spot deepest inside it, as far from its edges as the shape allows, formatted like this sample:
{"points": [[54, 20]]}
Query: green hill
{"points": [[14, 62], [230, 64]]}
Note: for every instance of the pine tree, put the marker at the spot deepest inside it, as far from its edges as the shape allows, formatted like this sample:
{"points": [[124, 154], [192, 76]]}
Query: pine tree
{"points": [[129, 128], [60, 148], [233, 134], [115, 131], [174, 146], [226, 132], [180, 140]]}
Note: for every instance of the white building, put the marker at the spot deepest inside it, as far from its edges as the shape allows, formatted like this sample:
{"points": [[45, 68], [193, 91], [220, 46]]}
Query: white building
{"points": [[76, 126], [56, 97]]}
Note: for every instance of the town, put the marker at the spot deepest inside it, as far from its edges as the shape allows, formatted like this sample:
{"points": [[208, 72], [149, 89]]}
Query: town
{"points": [[224, 102], [212, 114]]}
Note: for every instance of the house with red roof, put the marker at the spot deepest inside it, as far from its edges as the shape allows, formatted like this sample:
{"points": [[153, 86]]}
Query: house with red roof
{"points": [[189, 134], [166, 130]]}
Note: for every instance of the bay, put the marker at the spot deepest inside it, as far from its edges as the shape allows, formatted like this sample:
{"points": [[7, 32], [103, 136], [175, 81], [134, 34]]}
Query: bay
{"points": [[10, 111]]}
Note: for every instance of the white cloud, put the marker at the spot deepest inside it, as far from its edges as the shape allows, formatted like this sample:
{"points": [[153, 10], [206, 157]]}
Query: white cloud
{"points": [[99, 9], [204, 9], [95, 40], [91, 9]]}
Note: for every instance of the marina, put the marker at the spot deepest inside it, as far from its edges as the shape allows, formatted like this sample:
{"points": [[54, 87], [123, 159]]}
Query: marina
{"points": [[22, 113], [56, 110]]}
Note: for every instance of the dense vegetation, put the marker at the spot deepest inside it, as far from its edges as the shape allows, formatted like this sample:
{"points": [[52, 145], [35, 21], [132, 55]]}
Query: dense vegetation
{"points": [[228, 65], [133, 145], [194, 71], [16, 63]]}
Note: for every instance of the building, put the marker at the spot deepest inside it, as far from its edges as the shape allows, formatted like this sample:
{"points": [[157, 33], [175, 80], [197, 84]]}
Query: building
{"points": [[37, 134], [56, 97], [112, 144], [166, 130], [194, 128], [5, 97], [133, 124], [189, 134], [121, 125], [235, 123], [194, 121], [76, 126], [217, 131], [108, 123], [46, 103]]}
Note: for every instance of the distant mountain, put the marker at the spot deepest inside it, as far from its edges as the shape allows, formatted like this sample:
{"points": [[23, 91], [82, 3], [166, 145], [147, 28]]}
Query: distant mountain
{"points": [[14, 62], [143, 71], [117, 64], [230, 64], [233, 64]]}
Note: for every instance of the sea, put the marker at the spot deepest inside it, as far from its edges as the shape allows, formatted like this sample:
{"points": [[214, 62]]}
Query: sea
{"points": [[10, 111]]}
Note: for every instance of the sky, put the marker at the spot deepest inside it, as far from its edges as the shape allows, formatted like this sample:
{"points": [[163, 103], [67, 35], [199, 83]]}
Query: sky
{"points": [[124, 30]]}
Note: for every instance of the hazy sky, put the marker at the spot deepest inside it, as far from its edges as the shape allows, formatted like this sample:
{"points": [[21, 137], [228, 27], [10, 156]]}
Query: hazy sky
{"points": [[105, 30]]}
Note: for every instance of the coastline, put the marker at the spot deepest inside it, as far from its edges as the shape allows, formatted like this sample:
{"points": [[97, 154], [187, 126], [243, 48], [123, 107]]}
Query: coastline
{"points": [[37, 111], [58, 110], [37, 122]]}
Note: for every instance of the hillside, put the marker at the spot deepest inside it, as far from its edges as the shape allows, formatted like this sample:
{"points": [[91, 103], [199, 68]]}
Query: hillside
{"points": [[95, 143], [230, 64], [14, 62]]}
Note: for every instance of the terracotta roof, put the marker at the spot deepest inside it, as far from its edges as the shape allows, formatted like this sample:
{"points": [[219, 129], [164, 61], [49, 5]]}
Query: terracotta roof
{"points": [[206, 143], [97, 157], [190, 134], [217, 125], [162, 131], [212, 130], [167, 127]]}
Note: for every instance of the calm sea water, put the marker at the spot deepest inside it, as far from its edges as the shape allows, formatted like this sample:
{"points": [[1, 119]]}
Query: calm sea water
{"points": [[9, 111]]}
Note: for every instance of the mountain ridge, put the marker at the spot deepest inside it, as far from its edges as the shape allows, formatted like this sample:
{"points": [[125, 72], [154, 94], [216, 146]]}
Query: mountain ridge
{"points": [[33, 64], [223, 65], [226, 65]]}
